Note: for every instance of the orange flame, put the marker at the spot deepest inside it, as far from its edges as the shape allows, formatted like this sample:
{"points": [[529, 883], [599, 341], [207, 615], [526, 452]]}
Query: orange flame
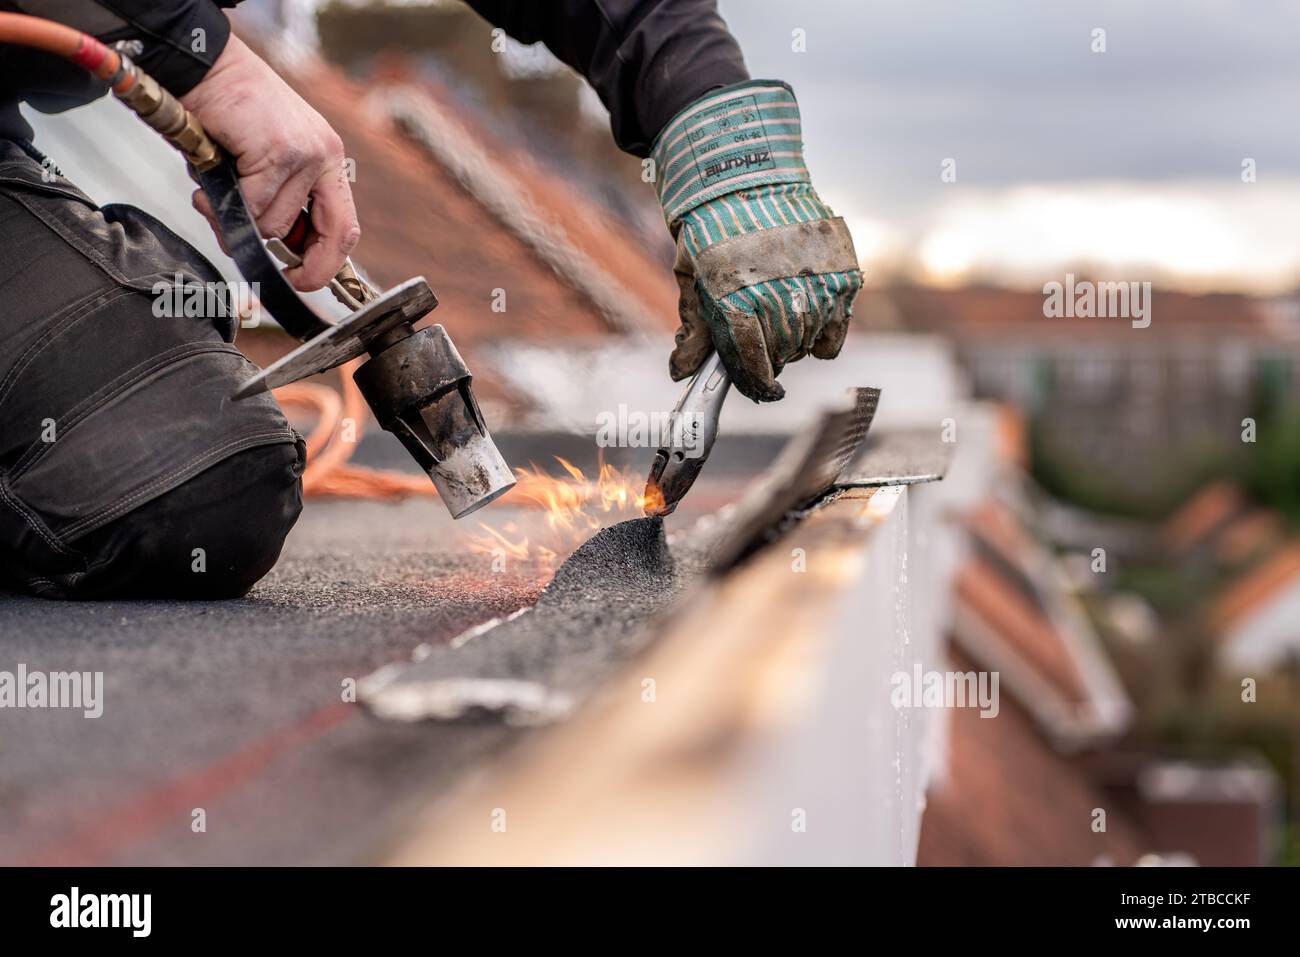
{"points": [[574, 507]]}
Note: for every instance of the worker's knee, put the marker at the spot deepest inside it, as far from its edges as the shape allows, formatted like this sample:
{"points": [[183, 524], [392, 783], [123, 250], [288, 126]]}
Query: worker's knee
{"points": [[213, 536], [117, 424]]}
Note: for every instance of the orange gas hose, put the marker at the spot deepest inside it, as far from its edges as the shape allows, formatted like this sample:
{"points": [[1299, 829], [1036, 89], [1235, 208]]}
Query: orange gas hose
{"points": [[65, 41]]}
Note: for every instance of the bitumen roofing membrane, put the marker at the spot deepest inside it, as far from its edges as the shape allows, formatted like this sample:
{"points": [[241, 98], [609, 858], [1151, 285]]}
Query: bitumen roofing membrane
{"points": [[233, 713], [588, 619], [240, 716]]}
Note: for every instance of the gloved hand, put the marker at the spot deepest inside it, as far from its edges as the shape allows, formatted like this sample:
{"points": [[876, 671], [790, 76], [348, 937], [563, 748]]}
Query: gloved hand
{"points": [[767, 273]]}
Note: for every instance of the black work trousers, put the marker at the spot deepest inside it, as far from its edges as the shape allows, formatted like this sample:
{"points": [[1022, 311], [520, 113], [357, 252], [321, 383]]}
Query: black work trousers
{"points": [[125, 468]]}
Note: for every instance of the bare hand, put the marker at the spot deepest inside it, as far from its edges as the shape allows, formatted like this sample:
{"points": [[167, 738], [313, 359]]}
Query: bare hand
{"points": [[285, 153]]}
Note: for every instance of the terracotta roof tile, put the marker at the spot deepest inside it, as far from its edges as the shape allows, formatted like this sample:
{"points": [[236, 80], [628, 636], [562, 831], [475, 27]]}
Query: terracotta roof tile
{"points": [[1257, 586], [641, 264], [1012, 436], [998, 526], [1201, 515], [418, 220], [1009, 799], [992, 312], [1020, 624], [1258, 531]]}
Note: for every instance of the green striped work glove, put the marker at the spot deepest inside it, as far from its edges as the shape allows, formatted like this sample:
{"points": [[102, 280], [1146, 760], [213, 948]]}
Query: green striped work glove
{"points": [[767, 273]]}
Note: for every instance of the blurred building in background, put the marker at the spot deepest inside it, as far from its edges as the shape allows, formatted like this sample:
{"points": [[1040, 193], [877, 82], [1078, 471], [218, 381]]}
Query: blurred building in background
{"points": [[1121, 417]]}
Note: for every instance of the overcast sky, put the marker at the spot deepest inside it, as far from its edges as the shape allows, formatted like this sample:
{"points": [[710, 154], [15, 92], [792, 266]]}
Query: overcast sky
{"points": [[1127, 159], [1126, 163]]}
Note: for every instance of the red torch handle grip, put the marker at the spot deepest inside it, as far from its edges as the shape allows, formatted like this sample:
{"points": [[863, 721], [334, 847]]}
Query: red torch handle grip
{"points": [[298, 234]]}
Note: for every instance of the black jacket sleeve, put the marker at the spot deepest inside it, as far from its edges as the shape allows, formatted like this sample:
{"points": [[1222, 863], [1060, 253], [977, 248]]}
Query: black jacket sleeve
{"points": [[182, 38], [647, 59]]}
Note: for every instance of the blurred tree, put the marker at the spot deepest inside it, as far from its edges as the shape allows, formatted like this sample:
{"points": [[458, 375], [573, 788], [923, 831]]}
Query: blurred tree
{"points": [[1273, 471]]}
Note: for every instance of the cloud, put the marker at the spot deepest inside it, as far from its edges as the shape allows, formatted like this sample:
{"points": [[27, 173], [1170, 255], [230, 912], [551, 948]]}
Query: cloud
{"points": [[1195, 235]]}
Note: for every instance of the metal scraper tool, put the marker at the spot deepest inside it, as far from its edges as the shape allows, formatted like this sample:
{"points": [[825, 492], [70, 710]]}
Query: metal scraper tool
{"points": [[692, 430]]}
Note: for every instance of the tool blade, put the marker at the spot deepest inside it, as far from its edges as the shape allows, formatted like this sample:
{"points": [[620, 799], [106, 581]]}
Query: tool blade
{"points": [[347, 338], [692, 431]]}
